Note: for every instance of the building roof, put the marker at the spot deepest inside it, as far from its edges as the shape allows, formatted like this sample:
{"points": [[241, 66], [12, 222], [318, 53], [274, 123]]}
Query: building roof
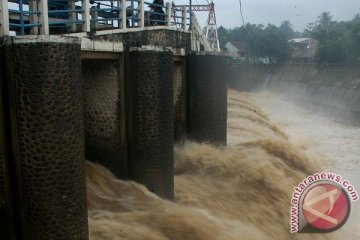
{"points": [[299, 40], [242, 47]]}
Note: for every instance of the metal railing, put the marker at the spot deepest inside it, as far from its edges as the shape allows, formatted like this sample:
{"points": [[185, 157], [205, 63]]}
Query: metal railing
{"points": [[44, 17], [199, 42]]}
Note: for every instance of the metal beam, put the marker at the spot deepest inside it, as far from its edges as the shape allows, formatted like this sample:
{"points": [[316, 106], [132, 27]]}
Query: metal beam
{"points": [[194, 8]]}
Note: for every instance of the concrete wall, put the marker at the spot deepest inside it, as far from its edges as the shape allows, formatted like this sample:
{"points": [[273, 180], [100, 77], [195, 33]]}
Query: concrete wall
{"points": [[325, 87], [161, 37], [103, 102]]}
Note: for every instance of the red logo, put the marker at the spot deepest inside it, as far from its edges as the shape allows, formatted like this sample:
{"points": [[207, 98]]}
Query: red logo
{"points": [[326, 207]]}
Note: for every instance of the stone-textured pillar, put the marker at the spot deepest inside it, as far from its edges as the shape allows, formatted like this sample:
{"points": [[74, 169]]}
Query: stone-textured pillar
{"points": [[207, 98], [179, 78], [7, 218], [45, 91], [104, 102], [150, 120]]}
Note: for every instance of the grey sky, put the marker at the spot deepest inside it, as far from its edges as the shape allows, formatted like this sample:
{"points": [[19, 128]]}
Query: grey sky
{"points": [[299, 12]]}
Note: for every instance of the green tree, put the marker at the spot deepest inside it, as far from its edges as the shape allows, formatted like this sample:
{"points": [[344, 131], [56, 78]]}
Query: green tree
{"points": [[331, 41], [354, 35], [276, 44], [270, 41], [223, 35], [286, 29], [324, 27]]}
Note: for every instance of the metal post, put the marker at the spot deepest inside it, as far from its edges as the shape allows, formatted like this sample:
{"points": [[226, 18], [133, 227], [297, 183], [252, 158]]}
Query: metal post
{"points": [[86, 15], [142, 13], [123, 20], [33, 17], [168, 13], [44, 17], [4, 18], [21, 15], [132, 14], [183, 18]]}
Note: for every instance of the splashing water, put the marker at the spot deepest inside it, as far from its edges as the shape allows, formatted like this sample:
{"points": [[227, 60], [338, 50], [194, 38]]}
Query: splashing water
{"points": [[241, 191], [333, 143]]}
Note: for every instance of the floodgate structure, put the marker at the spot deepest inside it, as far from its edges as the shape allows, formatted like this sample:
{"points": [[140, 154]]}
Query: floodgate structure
{"points": [[103, 81]]}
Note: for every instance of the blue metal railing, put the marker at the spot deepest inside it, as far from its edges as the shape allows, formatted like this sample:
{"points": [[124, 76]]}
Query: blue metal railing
{"points": [[70, 16], [64, 15], [180, 18], [21, 17]]}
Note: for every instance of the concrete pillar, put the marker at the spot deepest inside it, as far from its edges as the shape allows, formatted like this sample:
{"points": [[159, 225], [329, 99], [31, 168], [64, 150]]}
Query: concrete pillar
{"points": [[123, 20], [44, 17], [179, 79], [183, 18], [207, 98], [85, 6], [150, 119], [168, 13], [4, 18], [7, 219], [141, 13], [45, 98], [104, 102]]}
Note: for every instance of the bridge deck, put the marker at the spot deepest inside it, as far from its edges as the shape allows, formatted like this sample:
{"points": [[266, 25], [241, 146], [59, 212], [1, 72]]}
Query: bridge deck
{"points": [[24, 17], [95, 17]]}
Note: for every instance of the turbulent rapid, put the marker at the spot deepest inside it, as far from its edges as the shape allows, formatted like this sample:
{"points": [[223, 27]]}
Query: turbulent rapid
{"points": [[241, 191]]}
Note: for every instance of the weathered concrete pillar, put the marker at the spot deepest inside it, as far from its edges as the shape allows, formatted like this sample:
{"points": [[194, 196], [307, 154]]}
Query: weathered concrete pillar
{"points": [[151, 119], [104, 101], [7, 219], [179, 79], [207, 98], [47, 132]]}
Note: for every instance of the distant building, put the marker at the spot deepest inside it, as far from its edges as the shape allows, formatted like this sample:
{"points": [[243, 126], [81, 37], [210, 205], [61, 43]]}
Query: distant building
{"points": [[237, 50], [303, 49], [240, 51]]}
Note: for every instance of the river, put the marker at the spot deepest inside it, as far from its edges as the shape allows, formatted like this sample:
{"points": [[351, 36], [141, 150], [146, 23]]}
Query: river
{"points": [[330, 140], [241, 191]]}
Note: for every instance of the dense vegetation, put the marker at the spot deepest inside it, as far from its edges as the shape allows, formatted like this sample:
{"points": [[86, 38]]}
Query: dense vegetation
{"points": [[339, 42]]}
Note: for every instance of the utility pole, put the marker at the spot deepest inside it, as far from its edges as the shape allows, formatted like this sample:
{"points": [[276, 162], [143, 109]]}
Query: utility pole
{"points": [[311, 26]]}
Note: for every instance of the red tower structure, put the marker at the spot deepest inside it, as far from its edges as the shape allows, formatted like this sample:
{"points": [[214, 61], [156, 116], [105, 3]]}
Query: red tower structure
{"points": [[211, 26], [211, 29]]}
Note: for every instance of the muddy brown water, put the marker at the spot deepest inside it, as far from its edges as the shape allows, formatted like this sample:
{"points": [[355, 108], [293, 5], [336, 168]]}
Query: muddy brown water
{"points": [[241, 191]]}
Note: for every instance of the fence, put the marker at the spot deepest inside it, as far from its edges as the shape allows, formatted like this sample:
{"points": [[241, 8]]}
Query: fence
{"points": [[33, 17]]}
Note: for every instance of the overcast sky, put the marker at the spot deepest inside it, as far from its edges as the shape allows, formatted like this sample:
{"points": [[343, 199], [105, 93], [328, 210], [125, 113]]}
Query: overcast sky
{"points": [[299, 12]]}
